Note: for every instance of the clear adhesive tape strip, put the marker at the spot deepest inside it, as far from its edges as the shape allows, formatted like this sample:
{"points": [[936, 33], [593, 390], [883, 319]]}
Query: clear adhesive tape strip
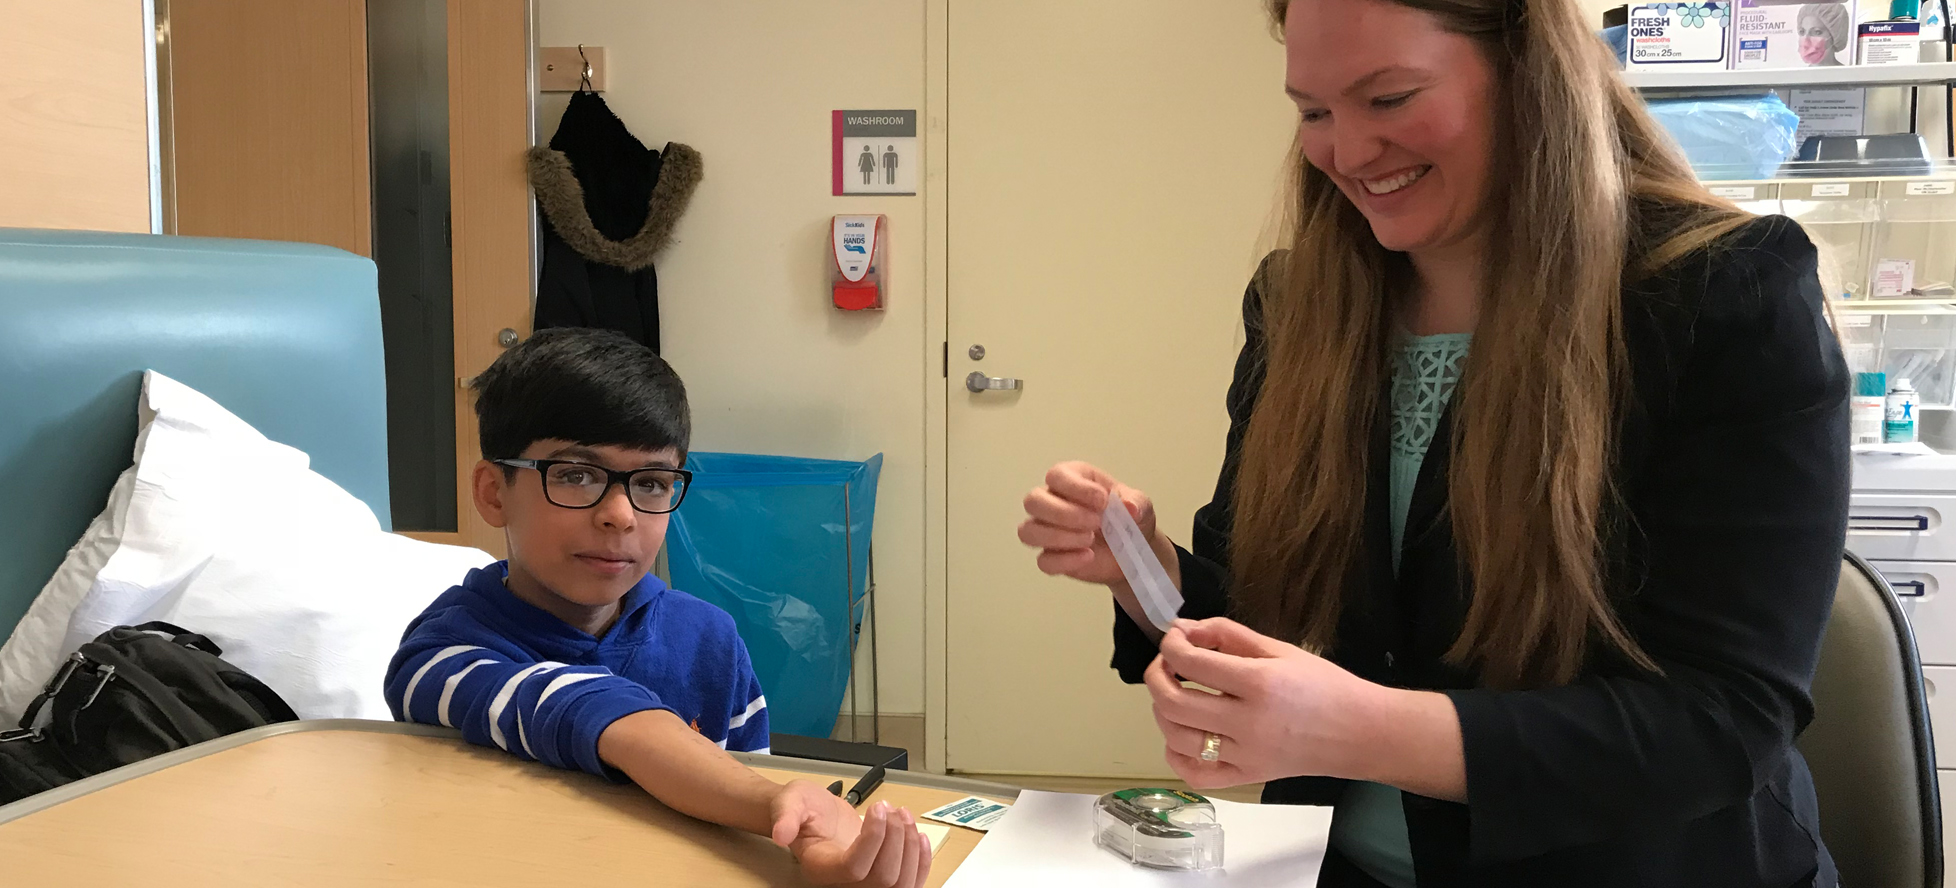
{"points": [[1159, 598]]}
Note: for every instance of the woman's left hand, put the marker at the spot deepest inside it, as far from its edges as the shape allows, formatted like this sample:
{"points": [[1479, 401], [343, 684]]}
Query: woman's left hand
{"points": [[1281, 711]]}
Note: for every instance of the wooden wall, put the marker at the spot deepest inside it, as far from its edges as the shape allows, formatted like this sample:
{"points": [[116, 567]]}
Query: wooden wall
{"points": [[74, 115]]}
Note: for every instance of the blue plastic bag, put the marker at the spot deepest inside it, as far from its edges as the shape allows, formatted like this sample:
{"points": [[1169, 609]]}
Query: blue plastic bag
{"points": [[1731, 137], [1618, 40], [782, 544]]}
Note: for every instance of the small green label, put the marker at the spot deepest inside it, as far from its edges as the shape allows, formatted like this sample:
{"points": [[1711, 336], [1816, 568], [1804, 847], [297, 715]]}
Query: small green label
{"points": [[1150, 801]]}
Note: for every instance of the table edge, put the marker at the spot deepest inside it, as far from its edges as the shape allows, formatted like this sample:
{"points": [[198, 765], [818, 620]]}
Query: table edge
{"points": [[39, 802]]}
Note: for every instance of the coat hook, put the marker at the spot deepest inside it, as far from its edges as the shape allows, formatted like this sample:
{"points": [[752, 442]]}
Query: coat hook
{"points": [[584, 81]]}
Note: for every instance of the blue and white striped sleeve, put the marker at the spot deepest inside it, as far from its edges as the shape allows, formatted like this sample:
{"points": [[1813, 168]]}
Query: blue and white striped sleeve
{"points": [[549, 712], [747, 727]]}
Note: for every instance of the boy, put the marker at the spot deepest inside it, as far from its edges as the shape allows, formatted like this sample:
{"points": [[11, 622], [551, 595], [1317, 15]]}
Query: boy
{"points": [[572, 654]]}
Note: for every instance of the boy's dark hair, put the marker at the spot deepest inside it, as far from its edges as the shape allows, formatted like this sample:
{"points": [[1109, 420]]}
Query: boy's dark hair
{"points": [[590, 387]]}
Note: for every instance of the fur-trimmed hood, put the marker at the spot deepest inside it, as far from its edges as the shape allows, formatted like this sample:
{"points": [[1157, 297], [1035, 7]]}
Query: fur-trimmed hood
{"points": [[562, 200]]}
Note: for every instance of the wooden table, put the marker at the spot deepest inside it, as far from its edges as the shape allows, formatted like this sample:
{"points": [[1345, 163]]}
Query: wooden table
{"points": [[375, 803]]}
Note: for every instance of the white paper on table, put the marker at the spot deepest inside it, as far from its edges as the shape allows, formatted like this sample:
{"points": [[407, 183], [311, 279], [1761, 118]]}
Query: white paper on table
{"points": [[1159, 598], [1047, 842]]}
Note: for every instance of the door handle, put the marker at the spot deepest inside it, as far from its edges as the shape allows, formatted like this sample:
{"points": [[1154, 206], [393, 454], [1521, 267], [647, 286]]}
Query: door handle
{"points": [[1887, 522], [979, 382]]}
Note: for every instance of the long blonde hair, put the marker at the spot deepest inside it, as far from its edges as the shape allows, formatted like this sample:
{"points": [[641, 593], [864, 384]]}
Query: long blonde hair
{"points": [[1584, 179]]}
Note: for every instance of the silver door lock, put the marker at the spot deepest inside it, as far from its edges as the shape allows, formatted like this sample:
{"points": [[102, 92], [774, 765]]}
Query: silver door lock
{"points": [[507, 337], [979, 382]]}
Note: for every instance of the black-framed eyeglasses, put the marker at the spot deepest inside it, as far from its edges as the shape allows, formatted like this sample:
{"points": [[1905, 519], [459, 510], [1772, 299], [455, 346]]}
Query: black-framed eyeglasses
{"points": [[581, 485]]}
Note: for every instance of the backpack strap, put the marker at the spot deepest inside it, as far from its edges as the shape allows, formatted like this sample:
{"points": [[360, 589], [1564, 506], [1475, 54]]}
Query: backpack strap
{"points": [[77, 663], [181, 636]]}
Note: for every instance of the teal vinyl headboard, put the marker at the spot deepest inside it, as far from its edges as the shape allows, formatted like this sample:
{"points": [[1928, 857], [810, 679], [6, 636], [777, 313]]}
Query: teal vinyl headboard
{"points": [[287, 336]]}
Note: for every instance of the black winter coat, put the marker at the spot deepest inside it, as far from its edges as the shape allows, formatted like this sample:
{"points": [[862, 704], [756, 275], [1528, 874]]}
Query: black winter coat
{"points": [[609, 205]]}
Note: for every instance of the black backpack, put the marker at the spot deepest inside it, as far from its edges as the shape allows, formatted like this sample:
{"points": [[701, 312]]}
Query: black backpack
{"points": [[132, 693]]}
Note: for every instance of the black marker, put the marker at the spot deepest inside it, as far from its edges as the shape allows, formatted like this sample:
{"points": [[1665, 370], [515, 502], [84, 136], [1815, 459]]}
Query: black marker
{"points": [[865, 786]]}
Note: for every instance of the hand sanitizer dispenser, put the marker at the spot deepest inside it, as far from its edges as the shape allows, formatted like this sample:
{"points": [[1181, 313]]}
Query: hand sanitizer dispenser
{"points": [[856, 276]]}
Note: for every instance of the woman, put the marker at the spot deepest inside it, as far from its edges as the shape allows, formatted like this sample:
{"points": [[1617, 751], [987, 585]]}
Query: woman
{"points": [[1535, 487], [1824, 29]]}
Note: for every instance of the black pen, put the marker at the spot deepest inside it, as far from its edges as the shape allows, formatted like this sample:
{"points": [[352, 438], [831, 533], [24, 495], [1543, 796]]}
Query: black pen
{"points": [[865, 786]]}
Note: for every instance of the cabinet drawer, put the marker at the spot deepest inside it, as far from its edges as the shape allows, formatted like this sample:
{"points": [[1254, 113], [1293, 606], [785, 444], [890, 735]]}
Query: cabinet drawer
{"points": [[1939, 684], [1946, 788], [1928, 593], [1902, 527]]}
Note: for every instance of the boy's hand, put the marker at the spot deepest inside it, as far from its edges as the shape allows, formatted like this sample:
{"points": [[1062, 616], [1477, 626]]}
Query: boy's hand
{"points": [[835, 847], [682, 768]]}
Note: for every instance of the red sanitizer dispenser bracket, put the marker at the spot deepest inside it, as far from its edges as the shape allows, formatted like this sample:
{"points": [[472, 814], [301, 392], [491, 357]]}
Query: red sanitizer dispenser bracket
{"points": [[856, 275]]}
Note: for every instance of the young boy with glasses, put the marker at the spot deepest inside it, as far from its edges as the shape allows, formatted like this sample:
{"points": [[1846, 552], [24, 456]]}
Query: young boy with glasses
{"points": [[573, 654]]}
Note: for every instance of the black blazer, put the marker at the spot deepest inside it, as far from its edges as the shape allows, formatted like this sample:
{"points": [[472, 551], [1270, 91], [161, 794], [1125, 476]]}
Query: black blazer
{"points": [[1733, 470]]}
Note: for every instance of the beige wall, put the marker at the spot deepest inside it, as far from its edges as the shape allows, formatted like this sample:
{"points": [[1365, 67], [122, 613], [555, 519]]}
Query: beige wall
{"points": [[74, 115], [771, 367]]}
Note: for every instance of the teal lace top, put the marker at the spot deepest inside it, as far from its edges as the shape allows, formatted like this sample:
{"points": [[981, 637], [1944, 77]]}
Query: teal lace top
{"points": [[1369, 826]]}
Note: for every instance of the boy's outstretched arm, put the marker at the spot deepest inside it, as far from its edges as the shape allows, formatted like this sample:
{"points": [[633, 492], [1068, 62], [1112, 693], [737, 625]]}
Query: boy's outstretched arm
{"points": [[584, 717], [695, 777]]}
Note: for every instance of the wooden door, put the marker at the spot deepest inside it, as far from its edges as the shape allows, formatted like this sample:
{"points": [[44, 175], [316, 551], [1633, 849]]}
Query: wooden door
{"points": [[489, 120], [268, 121]]}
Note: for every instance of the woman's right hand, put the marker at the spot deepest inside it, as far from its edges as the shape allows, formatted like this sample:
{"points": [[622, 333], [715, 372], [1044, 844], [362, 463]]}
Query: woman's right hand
{"points": [[1063, 523]]}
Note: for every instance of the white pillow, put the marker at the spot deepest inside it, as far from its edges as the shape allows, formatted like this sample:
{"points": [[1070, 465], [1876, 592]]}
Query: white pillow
{"points": [[230, 534]]}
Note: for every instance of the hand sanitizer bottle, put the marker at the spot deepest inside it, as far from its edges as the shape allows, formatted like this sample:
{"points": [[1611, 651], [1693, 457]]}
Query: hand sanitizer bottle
{"points": [[1899, 427]]}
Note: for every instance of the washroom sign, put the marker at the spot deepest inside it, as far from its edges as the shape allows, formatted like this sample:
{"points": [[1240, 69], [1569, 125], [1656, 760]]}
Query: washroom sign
{"points": [[874, 152]]}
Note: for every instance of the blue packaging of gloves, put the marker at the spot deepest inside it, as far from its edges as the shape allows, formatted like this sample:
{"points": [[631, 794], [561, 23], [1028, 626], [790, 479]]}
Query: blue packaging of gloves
{"points": [[1730, 137]]}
